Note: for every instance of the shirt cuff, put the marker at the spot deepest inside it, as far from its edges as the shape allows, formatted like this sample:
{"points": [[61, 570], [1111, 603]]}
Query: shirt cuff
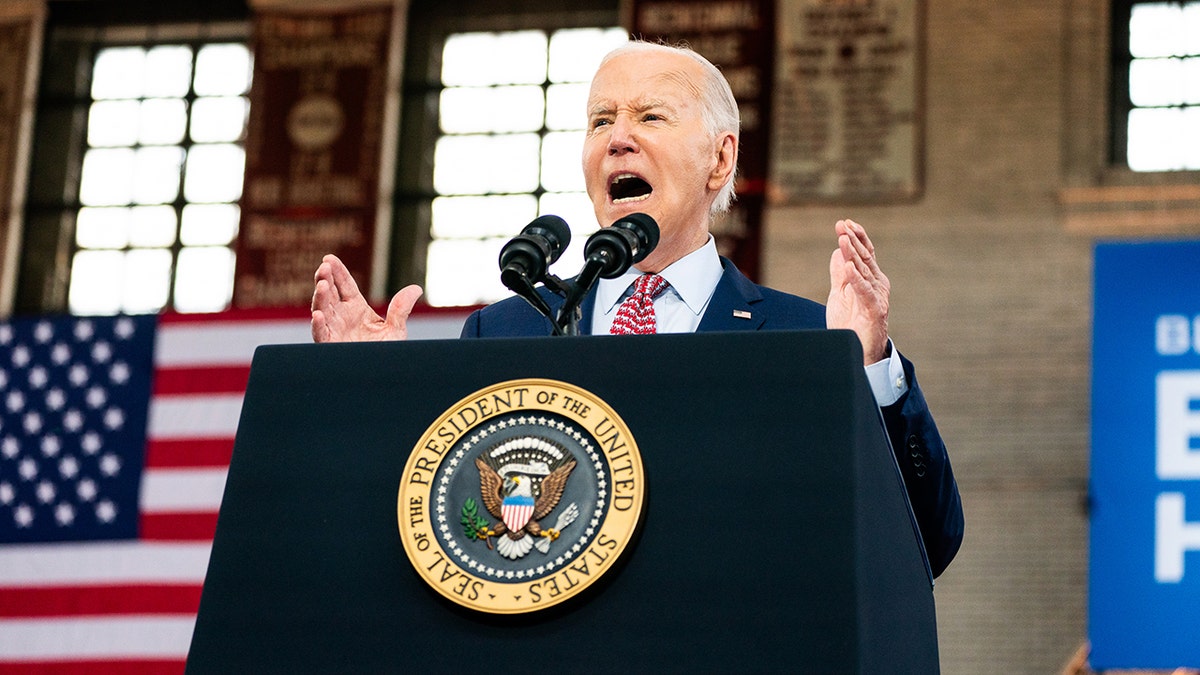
{"points": [[887, 378]]}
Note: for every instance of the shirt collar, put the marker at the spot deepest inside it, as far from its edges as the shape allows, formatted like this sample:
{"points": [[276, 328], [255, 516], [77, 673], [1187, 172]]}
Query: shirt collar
{"points": [[693, 278]]}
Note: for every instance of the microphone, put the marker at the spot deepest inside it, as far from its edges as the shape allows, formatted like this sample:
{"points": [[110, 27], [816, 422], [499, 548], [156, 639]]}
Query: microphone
{"points": [[526, 257], [626, 242], [607, 253]]}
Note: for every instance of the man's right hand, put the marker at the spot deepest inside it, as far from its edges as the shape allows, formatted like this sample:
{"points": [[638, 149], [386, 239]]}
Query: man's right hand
{"points": [[340, 313]]}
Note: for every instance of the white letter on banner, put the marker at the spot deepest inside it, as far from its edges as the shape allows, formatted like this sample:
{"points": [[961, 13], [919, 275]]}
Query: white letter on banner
{"points": [[1178, 424], [1171, 335], [1173, 536]]}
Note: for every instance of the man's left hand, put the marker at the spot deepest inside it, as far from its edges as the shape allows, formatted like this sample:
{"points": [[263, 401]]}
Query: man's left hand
{"points": [[859, 291]]}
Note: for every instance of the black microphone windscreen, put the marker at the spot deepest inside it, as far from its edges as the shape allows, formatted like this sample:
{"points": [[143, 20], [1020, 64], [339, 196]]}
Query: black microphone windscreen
{"points": [[556, 232], [646, 230]]}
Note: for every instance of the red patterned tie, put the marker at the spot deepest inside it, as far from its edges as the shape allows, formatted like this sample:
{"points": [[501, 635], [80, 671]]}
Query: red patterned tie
{"points": [[635, 316]]}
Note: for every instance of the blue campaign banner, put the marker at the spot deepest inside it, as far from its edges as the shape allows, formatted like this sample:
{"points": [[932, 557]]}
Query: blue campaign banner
{"points": [[1144, 581]]}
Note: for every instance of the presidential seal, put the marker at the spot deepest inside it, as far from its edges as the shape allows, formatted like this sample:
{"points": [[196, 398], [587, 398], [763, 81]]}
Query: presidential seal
{"points": [[520, 496]]}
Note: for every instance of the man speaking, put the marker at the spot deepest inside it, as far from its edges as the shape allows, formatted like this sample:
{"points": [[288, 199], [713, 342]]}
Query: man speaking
{"points": [[662, 139]]}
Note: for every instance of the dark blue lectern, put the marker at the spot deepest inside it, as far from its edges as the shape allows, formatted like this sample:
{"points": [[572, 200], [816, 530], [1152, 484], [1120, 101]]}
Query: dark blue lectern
{"points": [[776, 534]]}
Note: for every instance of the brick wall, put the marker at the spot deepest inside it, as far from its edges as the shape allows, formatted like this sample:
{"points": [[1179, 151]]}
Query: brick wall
{"points": [[992, 300]]}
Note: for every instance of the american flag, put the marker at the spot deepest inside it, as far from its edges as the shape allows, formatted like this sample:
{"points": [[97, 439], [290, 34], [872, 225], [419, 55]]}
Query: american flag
{"points": [[115, 440]]}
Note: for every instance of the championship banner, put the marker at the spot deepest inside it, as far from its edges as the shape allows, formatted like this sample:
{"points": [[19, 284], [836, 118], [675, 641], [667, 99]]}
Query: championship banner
{"points": [[312, 151], [1144, 582], [739, 38]]}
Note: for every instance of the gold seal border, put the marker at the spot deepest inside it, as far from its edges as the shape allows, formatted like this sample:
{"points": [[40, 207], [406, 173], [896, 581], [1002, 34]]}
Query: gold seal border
{"points": [[416, 496]]}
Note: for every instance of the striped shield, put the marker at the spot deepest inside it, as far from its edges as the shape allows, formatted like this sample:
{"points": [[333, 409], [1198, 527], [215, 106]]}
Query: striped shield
{"points": [[516, 510]]}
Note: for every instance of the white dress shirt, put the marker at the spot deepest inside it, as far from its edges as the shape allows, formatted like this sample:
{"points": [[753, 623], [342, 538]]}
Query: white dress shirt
{"points": [[680, 307]]}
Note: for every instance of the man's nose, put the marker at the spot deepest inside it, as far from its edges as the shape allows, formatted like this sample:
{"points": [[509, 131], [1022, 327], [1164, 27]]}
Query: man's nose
{"points": [[621, 138]]}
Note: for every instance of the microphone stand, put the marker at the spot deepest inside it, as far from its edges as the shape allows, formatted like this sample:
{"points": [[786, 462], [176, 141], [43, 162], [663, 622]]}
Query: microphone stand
{"points": [[522, 286], [566, 322], [569, 315]]}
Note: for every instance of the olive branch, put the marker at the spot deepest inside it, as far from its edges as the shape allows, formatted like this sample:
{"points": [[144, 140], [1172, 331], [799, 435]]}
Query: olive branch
{"points": [[474, 526]]}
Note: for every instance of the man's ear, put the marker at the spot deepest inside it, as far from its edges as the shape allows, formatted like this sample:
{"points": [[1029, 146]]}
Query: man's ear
{"points": [[727, 151]]}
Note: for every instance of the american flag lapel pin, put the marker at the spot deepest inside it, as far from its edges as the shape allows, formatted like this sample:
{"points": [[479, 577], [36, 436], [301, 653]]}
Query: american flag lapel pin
{"points": [[741, 314]]}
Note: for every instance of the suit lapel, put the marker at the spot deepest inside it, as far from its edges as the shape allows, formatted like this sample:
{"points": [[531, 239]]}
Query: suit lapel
{"points": [[735, 305], [587, 307]]}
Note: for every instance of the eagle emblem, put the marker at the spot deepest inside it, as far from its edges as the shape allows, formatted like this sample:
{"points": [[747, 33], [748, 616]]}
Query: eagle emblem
{"points": [[519, 494], [518, 466]]}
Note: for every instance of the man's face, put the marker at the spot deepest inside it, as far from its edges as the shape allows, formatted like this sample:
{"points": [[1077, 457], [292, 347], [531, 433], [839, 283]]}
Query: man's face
{"points": [[647, 150]]}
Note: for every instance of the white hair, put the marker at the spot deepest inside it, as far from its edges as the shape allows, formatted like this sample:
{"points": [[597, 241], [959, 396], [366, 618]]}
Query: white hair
{"points": [[718, 107]]}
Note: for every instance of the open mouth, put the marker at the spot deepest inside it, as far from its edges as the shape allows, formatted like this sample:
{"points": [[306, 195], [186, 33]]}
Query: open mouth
{"points": [[627, 187]]}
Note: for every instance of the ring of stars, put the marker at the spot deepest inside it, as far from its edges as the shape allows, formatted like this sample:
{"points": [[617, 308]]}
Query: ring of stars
{"points": [[445, 523]]}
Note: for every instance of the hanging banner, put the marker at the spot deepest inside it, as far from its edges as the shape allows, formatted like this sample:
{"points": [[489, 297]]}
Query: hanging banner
{"points": [[312, 151], [738, 36], [848, 116], [1144, 562]]}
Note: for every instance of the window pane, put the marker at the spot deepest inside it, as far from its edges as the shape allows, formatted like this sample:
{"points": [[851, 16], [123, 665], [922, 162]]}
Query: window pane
{"points": [[204, 279], [219, 119], [152, 226], [118, 73], [465, 110], [156, 178], [466, 217], [576, 209], [1154, 136], [1190, 141], [482, 164], [562, 168], [573, 207], [1191, 29], [1155, 82], [575, 53], [461, 57], [163, 121], [209, 224], [107, 177], [113, 123], [566, 106], [96, 282], [223, 70], [1191, 79], [147, 280], [1155, 29], [168, 71], [464, 271], [517, 57], [214, 173], [102, 227]]}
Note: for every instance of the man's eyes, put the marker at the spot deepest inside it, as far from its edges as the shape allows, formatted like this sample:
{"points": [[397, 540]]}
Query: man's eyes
{"points": [[605, 121]]}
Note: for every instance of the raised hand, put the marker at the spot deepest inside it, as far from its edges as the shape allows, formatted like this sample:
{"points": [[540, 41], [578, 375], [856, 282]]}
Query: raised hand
{"points": [[340, 313], [859, 291]]}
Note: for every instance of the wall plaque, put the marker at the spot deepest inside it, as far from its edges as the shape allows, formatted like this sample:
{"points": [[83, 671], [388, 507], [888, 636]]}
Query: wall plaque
{"points": [[847, 114]]}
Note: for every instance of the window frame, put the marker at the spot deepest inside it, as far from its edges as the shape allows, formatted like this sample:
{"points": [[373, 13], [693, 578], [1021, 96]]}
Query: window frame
{"points": [[1099, 195], [429, 26], [1120, 102], [74, 33]]}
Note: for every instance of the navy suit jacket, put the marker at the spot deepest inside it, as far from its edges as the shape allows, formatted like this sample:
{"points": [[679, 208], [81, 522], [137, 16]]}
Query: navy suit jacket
{"points": [[918, 446]]}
